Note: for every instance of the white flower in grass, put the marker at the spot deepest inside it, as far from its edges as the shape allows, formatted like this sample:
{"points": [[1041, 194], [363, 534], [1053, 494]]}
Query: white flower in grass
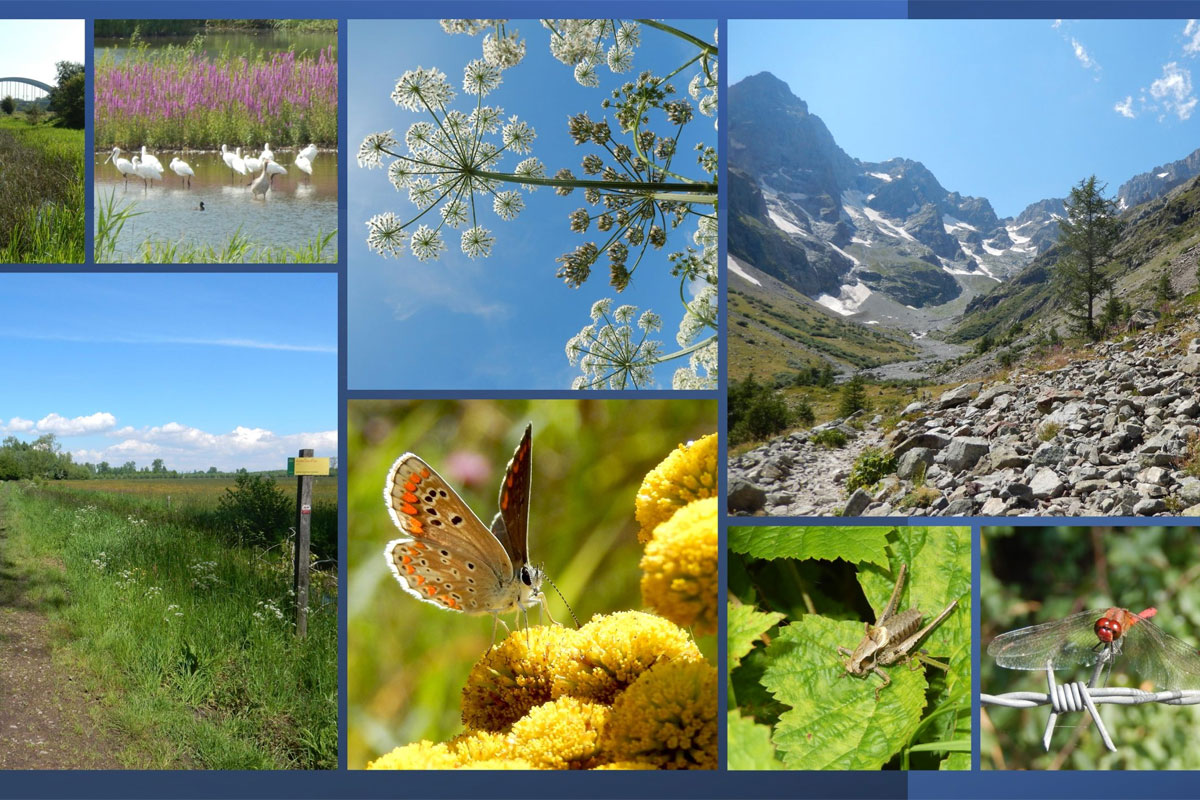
{"points": [[385, 234], [585, 74], [518, 136], [426, 243], [477, 242], [480, 77], [374, 147], [508, 204], [419, 89]]}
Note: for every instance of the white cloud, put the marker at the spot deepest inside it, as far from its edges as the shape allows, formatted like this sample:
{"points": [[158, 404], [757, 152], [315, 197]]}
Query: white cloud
{"points": [[185, 448], [1125, 107], [18, 425], [1192, 32], [1081, 55], [1174, 91], [1056, 24], [76, 426]]}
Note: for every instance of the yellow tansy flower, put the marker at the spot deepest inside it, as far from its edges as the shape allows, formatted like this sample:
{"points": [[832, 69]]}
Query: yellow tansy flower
{"points": [[513, 677], [563, 734], [627, 765], [687, 475], [613, 650], [419, 755], [499, 763], [668, 717], [476, 746], [679, 567]]}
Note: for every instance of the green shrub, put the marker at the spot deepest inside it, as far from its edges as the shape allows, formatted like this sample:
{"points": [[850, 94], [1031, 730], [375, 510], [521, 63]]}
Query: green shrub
{"points": [[854, 397], [870, 466], [755, 411], [829, 438], [803, 413], [256, 511]]}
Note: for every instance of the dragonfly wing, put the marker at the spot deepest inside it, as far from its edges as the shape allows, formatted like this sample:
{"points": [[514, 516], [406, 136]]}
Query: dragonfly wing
{"points": [[1062, 644], [1151, 654]]}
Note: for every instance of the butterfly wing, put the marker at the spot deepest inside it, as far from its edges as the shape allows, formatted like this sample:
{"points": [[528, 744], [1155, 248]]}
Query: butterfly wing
{"points": [[448, 557], [511, 524]]}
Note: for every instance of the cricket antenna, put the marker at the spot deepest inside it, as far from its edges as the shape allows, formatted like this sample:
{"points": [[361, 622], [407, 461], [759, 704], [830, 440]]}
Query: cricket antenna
{"points": [[570, 610]]}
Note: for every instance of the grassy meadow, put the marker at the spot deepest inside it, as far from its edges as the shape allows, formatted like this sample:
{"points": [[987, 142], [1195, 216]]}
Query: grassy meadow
{"points": [[42, 205], [186, 639]]}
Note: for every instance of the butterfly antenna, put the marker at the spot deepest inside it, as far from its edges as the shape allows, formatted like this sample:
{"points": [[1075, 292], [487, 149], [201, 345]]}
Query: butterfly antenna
{"points": [[560, 596]]}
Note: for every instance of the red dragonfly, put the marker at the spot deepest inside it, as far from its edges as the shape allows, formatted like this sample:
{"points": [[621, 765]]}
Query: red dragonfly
{"points": [[1114, 635]]}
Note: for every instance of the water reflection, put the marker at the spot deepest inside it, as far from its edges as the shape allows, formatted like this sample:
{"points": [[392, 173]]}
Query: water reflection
{"points": [[296, 209]]}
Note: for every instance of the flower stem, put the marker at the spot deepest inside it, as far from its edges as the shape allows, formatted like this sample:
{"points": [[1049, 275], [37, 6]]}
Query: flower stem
{"points": [[687, 37], [705, 192]]}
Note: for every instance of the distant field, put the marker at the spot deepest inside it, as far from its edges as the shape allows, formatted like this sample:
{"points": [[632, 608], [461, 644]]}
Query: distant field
{"points": [[194, 490]]}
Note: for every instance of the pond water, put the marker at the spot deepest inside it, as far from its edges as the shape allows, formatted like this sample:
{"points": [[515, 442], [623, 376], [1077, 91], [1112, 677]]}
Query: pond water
{"points": [[240, 43], [296, 208]]}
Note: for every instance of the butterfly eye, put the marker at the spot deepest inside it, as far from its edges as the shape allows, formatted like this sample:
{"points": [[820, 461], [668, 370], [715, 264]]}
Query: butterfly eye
{"points": [[525, 577]]}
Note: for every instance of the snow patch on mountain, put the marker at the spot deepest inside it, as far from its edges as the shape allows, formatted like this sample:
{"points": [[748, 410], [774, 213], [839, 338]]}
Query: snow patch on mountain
{"points": [[848, 301]]}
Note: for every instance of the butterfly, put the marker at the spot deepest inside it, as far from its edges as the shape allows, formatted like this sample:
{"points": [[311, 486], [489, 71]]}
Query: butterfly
{"points": [[447, 556]]}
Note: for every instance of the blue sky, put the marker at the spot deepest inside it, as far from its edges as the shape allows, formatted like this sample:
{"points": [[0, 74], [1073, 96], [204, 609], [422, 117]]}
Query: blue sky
{"points": [[501, 321], [1014, 111], [32, 46], [224, 370]]}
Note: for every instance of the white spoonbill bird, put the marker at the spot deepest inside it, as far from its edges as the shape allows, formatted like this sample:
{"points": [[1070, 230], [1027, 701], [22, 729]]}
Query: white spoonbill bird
{"points": [[182, 169], [147, 172], [123, 165], [151, 160], [238, 164], [253, 164], [274, 168], [267, 152], [308, 154], [262, 183], [304, 165], [227, 156]]}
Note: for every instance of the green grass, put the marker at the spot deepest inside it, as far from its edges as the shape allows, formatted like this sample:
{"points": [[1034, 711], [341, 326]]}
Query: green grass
{"points": [[42, 201], [160, 620], [237, 249]]}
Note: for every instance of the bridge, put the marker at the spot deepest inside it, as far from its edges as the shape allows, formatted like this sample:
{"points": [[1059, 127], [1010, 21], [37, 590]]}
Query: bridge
{"points": [[26, 89]]}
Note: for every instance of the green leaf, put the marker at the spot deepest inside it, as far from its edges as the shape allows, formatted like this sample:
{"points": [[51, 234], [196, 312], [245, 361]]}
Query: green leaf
{"points": [[958, 761], [746, 625], [855, 545], [750, 745], [835, 722]]}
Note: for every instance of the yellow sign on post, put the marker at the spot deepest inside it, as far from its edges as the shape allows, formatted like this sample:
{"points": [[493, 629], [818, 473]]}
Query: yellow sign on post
{"points": [[308, 466]]}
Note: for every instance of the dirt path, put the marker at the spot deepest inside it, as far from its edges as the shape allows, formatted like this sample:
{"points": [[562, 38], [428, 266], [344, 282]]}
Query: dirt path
{"points": [[45, 715]]}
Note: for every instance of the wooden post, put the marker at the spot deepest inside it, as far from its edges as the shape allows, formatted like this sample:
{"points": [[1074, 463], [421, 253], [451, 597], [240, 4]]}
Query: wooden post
{"points": [[303, 533]]}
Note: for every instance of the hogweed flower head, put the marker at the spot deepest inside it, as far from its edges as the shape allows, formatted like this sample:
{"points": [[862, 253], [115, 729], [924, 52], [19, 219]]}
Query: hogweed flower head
{"points": [[611, 352]]}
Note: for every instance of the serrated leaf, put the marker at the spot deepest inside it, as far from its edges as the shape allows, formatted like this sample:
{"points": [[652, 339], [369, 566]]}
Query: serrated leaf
{"points": [[746, 625], [750, 745], [835, 722], [855, 545]]}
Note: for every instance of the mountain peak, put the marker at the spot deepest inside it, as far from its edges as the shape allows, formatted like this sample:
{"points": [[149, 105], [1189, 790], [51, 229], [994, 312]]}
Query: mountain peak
{"points": [[770, 88]]}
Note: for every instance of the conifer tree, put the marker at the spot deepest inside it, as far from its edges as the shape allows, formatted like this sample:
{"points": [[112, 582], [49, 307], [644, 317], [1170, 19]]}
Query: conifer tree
{"points": [[1088, 234]]}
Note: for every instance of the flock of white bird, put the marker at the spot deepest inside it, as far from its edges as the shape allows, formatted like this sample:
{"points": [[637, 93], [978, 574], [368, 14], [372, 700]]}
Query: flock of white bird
{"points": [[147, 166]]}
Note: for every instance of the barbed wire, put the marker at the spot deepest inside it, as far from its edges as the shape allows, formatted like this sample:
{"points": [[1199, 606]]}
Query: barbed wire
{"points": [[1076, 696]]}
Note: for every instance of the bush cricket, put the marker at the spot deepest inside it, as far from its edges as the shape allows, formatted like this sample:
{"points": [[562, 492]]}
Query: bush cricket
{"points": [[892, 638]]}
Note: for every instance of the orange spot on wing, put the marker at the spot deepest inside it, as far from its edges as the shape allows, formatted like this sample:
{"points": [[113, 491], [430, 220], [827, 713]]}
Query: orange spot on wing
{"points": [[432, 590], [406, 559], [424, 473], [420, 579], [409, 568], [415, 526], [411, 510], [409, 497], [410, 487], [451, 602], [418, 546], [504, 502]]}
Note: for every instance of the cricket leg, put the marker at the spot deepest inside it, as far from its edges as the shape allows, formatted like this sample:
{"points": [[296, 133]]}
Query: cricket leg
{"points": [[911, 642], [886, 681], [890, 610]]}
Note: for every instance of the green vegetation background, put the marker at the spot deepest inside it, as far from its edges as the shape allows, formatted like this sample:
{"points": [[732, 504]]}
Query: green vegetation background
{"points": [[1031, 575], [407, 661]]}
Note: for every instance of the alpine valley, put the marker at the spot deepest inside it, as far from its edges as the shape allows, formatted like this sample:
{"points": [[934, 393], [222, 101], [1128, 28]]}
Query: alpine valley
{"points": [[875, 269]]}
